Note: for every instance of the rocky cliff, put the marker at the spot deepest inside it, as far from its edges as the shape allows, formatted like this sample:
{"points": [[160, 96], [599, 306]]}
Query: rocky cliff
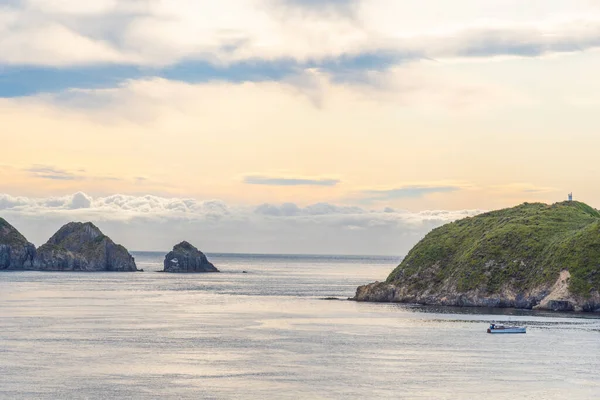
{"points": [[15, 251], [187, 258], [530, 256], [82, 247]]}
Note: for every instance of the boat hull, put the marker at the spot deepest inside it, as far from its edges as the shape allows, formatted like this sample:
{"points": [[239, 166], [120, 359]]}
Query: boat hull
{"points": [[507, 330]]}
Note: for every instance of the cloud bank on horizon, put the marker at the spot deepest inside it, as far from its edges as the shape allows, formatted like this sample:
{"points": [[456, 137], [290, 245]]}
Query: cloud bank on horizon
{"points": [[149, 223]]}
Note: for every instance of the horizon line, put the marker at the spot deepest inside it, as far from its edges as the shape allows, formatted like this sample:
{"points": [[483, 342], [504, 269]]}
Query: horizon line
{"points": [[217, 253]]}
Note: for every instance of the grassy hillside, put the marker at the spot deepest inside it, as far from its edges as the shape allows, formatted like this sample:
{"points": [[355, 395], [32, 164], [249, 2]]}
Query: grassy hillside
{"points": [[518, 248]]}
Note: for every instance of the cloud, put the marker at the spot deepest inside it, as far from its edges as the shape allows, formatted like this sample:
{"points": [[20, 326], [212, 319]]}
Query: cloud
{"points": [[520, 187], [29, 40], [292, 210], [347, 7], [80, 200], [410, 191], [286, 209], [281, 181], [49, 172], [97, 7], [518, 40], [319, 3], [309, 33], [146, 99], [115, 207], [57, 174], [156, 223]]}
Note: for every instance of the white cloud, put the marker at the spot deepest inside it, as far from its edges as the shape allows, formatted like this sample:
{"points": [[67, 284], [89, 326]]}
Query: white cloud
{"points": [[292, 210], [74, 6], [277, 180], [115, 207], [146, 101], [69, 32], [156, 223], [32, 39], [80, 200]]}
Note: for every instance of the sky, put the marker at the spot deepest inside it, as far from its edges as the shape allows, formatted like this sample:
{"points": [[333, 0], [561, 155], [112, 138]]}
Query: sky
{"points": [[292, 126]]}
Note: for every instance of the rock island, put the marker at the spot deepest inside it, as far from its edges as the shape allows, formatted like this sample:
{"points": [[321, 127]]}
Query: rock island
{"points": [[186, 258]]}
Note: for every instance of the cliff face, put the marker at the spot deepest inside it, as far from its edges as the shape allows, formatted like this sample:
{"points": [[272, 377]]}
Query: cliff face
{"points": [[15, 251], [82, 247], [187, 258], [530, 256]]}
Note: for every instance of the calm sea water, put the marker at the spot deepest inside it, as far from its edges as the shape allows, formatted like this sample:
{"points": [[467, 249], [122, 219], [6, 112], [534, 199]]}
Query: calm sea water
{"points": [[269, 334]]}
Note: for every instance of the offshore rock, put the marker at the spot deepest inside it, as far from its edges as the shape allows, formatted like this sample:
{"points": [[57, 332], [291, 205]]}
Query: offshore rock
{"points": [[16, 253], [82, 247], [185, 258], [533, 256]]}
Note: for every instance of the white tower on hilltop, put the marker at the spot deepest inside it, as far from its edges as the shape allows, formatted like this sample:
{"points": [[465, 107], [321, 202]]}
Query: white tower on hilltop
{"points": [[570, 196]]}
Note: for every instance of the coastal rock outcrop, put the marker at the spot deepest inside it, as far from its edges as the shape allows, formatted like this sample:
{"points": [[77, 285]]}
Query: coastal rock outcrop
{"points": [[530, 256], [186, 258], [82, 247], [16, 252]]}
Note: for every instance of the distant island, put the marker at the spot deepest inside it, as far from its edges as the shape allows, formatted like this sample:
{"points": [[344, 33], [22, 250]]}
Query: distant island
{"points": [[185, 258], [75, 247], [533, 256]]}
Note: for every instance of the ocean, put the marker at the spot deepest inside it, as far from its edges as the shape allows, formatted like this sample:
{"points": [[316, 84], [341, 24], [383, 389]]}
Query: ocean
{"points": [[270, 333]]}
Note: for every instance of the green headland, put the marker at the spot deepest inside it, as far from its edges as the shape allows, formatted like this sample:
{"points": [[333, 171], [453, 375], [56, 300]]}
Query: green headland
{"points": [[532, 255]]}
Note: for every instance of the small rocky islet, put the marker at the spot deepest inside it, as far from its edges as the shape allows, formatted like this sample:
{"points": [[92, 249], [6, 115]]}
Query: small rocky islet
{"points": [[185, 258], [533, 256]]}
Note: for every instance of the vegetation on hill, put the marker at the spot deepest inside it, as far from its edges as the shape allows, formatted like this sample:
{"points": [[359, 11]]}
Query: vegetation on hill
{"points": [[518, 248]]}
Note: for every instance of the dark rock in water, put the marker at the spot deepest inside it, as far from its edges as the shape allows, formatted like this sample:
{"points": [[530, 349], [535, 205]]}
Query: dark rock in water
{"points": [[244, 272], [16, 252], [82, 247], [185, 258]]}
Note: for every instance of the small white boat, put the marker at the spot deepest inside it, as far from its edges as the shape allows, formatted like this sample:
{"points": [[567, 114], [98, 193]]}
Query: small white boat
{"points": [[496, 328]]}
